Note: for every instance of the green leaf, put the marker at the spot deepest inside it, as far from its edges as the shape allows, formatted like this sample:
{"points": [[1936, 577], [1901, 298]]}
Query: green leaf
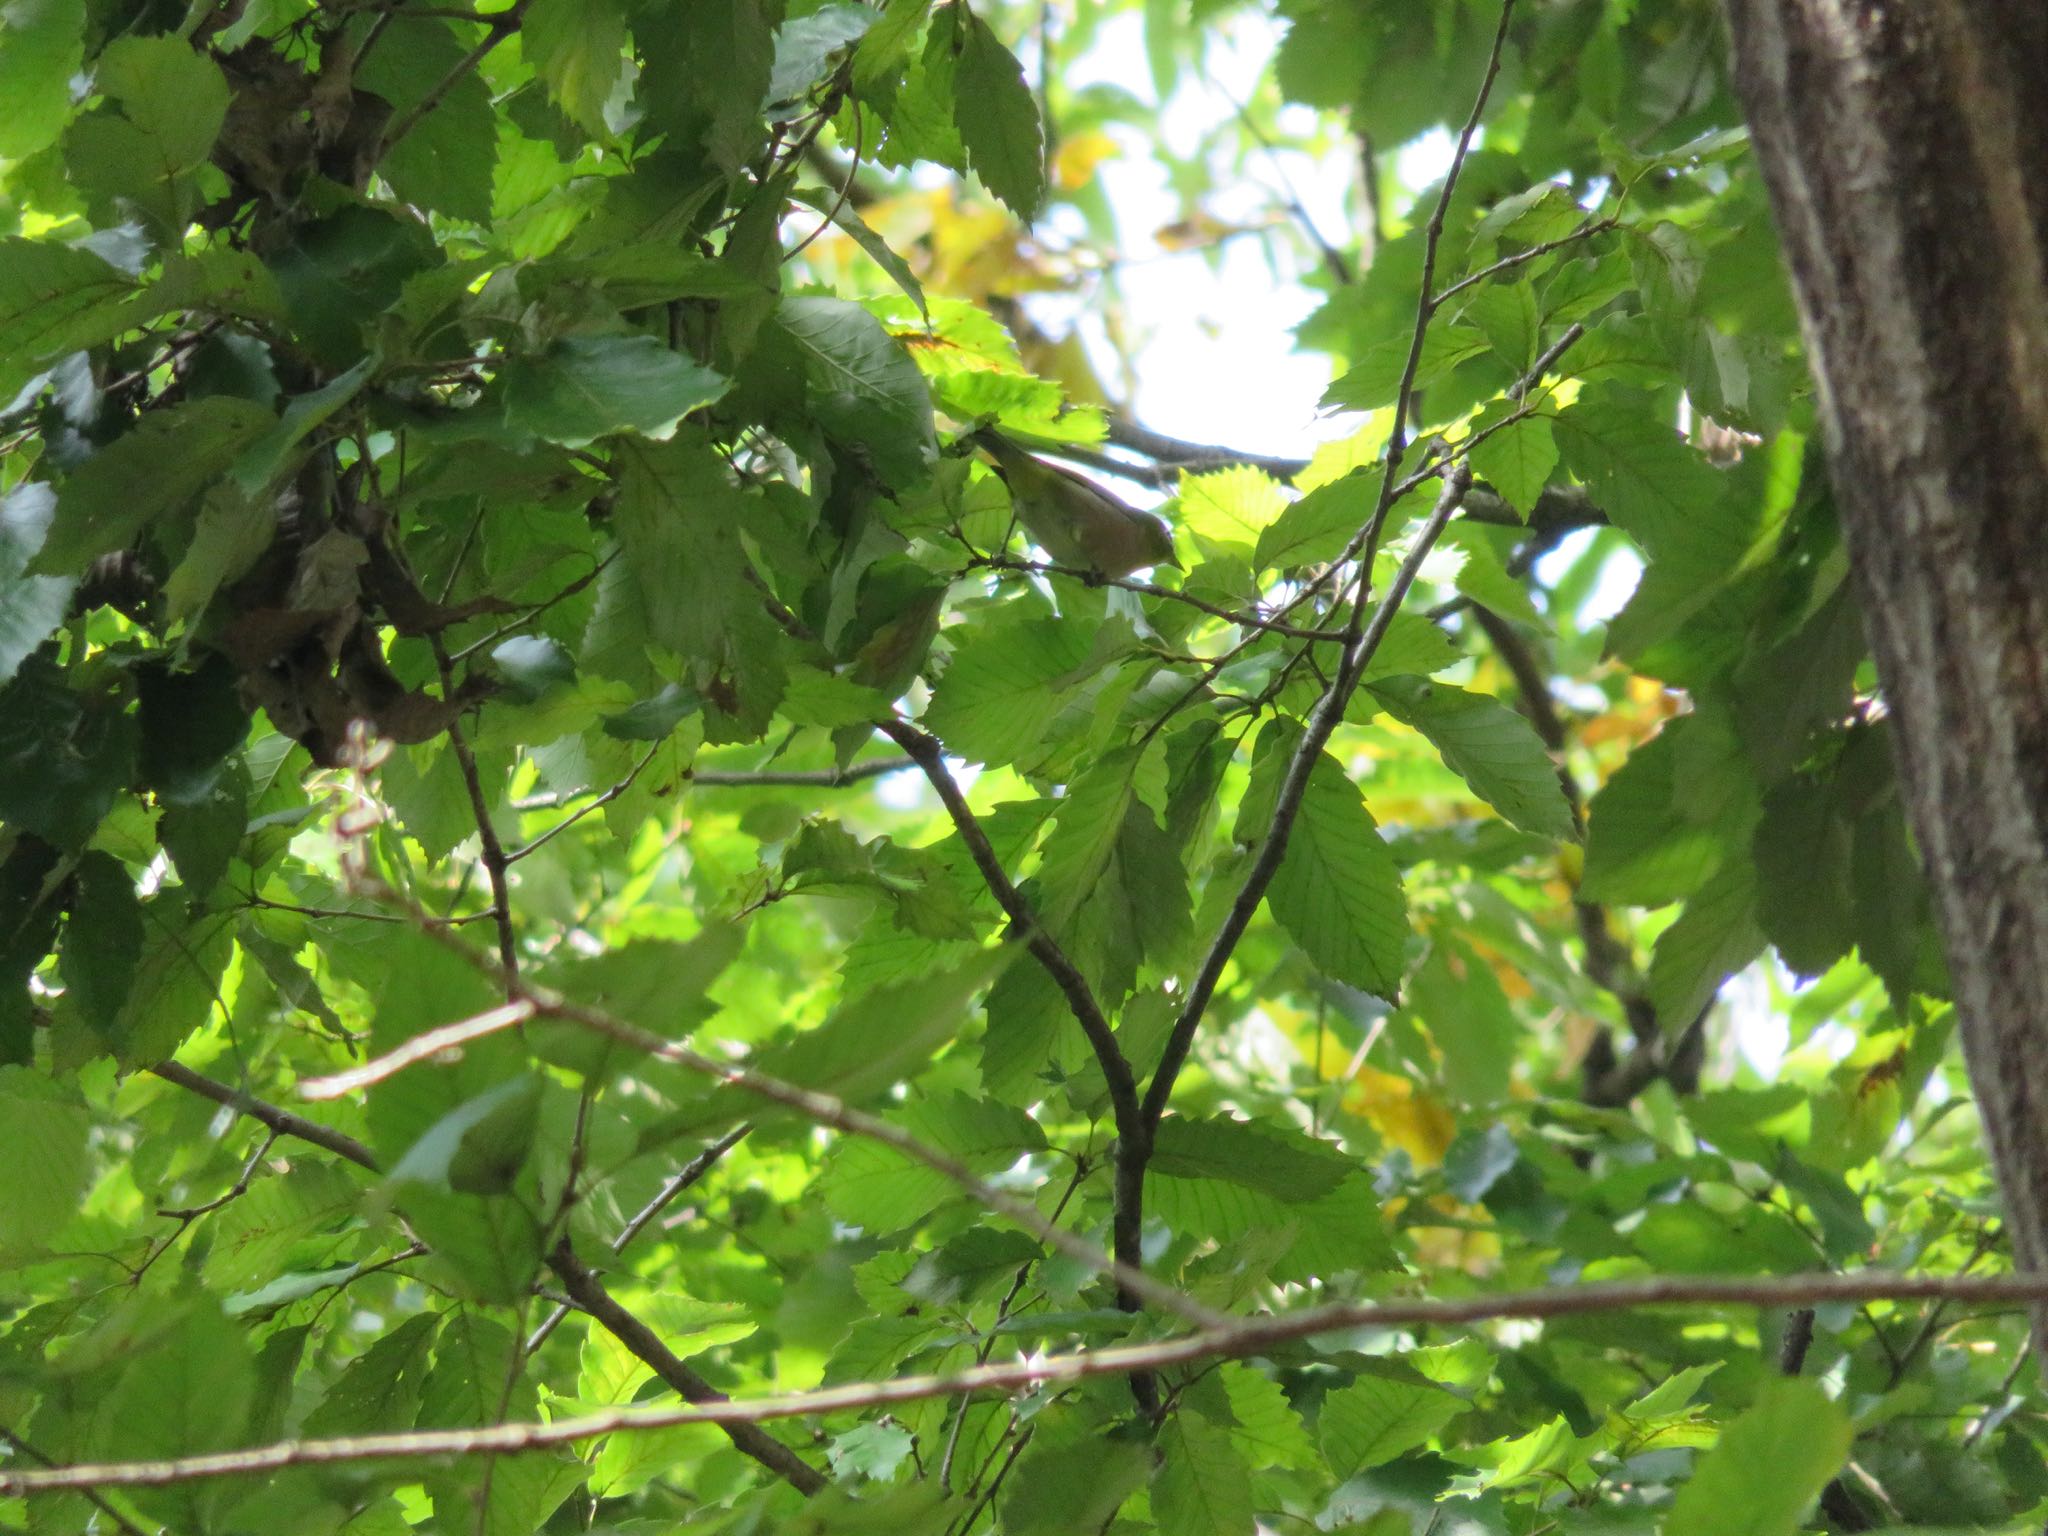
{"points": [[861, 384], [346, 269], [1272, 1159], [1007, 684], [1714, 937], [65, 757], [294, 1219], [40, 50], [806, 48], [1316, 528], [1506, 313], [479, 1147], [156, 467], [1377, 1418], [1268, 1430], [579, 48], [1054, 1490], [102, 937], [997, 116], [1337, 892], [1649, 482], [1769, 1466], [1203, 1486], [381, 1385], [1492, 748], [1804, 892], [444, 159], [187, 1394], [586, 387], [1517, 461], [873, 1042], [54, 299], [31, 607], [1376, 378], [1413, 646], [1642, 846], [140, 159], [48, 1165]]}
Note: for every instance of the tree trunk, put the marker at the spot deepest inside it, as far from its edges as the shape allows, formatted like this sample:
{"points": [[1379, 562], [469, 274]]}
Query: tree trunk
{"points": [[1905, 145]]}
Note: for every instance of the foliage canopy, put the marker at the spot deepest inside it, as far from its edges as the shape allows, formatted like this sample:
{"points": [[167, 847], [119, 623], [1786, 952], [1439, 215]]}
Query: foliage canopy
{"points": [[560, 853]]}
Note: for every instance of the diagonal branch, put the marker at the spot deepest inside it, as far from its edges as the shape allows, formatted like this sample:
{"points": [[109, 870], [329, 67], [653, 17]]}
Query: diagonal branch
{"points": [[929, 755], [582, 1286], [588, 1292], [1233, 1340], [533, 1001]]}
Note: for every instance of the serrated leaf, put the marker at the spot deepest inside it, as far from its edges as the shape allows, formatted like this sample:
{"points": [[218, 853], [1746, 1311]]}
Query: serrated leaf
{"points": [[47, 1131], [1269, 1431], [1316, 528], [1641, 847], [586, 387], [53, 299], [1272, 1159], [861, 383], [40, 51], [1377, 1418], [579, 48], [1493, 749], [1337, 892], [1714, 937], [1517, 461], [1203, 1486], [31, 607], [1007, 684], [1769, 1466], [997, 117], [445, 158], [165, 460]]}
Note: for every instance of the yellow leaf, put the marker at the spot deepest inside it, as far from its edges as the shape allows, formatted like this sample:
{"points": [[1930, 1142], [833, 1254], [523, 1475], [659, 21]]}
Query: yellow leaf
{"points": [[1418, 1123], [1077, 157]]}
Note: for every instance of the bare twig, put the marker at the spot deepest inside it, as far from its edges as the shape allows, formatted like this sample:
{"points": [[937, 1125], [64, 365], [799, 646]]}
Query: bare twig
{"points": [[798, 778], [1194, 457], [1152, 589], [493, 851], [926, 751], [282, 1121], [673, 1186], [589, 1294], [597, 802], [822, 1109], [1232, 1340], [502, 25]]}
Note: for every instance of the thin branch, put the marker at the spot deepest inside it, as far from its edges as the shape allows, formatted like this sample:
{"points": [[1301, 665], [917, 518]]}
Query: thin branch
{"points": [[1153, 589], [422, 1046], [589, 1293], [494, 859], [676, 1183], [1322, 725], [502, 25], [1233, 1340], [926, 751], [532, 1001], [1592, 226], [598, 802], [1194, 457], [576, 1278], [282, 1121], [799, 778]]}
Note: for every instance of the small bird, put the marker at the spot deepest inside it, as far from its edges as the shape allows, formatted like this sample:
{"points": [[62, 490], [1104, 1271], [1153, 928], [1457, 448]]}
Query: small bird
{"points": [[1073, 519]]}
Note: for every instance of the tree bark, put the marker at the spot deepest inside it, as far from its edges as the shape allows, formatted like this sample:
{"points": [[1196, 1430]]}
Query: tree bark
{"points": [[1904, 143]]}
